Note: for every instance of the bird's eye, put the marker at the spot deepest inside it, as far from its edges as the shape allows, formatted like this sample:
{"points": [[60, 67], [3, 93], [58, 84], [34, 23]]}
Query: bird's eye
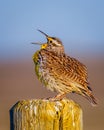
{"points": [[50, 41]]}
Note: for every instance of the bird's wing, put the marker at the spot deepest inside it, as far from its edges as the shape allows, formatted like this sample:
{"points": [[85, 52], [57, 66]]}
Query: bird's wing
{"points": [[78, 68], [66, 68]]}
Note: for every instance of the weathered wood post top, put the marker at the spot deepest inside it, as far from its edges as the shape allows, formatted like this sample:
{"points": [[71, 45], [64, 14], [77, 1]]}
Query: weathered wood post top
{"points": [[40, 114]]}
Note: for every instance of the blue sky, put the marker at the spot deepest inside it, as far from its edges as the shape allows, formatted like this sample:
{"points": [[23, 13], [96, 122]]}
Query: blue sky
{"points": [[78, 23]]}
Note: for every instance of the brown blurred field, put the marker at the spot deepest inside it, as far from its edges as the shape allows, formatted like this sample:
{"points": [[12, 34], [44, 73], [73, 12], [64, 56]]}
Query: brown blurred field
{"points": [[18, 81]]}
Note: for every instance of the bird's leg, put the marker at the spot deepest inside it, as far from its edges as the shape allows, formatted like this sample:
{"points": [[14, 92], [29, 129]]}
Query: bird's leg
{"points": [[60, 96]]}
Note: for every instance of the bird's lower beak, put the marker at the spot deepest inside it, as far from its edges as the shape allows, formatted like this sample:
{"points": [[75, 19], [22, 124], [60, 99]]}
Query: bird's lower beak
{"points": [[37, 43]]}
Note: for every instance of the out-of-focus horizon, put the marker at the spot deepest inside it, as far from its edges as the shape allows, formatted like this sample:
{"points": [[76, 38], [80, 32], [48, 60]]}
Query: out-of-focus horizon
{"points": [[80, 26]]}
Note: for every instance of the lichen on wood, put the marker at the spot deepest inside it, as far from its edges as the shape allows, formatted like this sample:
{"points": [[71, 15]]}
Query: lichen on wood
{"points": [[41, 114]]}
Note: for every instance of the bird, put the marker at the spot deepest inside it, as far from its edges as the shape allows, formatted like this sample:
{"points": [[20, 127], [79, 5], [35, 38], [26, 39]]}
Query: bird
{"points": [[60, 72]]}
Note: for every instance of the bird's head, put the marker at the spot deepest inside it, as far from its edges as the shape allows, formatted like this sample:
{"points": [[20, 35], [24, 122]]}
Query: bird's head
{"points": [[53, 44]]}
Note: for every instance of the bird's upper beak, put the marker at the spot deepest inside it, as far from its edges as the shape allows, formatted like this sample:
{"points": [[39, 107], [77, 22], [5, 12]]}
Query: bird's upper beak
{"points": [[43, 33], [47, 36]]}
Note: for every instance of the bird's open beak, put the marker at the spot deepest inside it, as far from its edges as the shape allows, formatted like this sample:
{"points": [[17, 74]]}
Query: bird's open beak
{"points": [[38, 43]]}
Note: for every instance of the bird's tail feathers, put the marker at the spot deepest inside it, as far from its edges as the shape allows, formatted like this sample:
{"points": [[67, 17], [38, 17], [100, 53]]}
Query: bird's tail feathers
{"points": [[91, 98]]}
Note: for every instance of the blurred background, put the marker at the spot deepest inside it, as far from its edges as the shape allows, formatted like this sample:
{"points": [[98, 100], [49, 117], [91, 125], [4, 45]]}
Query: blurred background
{"points": [[78, 23]]}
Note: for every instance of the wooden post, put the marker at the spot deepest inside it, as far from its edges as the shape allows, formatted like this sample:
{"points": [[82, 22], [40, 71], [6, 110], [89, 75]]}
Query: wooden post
{"points": [[46, 115]]}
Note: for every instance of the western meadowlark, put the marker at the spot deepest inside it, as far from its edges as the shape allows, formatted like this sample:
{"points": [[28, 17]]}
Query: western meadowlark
{"points": [[60, 72]]}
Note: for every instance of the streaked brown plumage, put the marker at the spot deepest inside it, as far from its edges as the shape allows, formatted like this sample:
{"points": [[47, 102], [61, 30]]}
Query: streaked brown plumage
{"points": [[60, 72]]}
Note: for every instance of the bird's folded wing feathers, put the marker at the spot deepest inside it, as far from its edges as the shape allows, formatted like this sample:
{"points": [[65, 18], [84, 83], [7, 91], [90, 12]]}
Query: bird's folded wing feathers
{"points": [[66, 68]]}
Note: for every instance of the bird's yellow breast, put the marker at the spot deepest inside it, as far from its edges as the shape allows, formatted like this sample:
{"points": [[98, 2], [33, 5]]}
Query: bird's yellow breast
{"points": [[36, 57], [39, 69], [36, 61]]}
